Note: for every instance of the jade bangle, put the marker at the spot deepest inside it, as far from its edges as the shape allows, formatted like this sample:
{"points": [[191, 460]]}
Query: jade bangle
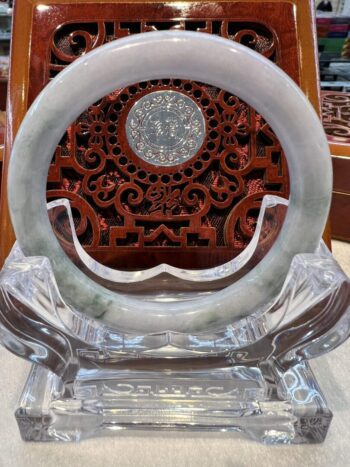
{"points": [[185, 55]]}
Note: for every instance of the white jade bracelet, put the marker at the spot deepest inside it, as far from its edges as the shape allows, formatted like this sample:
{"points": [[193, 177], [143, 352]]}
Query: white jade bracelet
{"points": [[186, 55]]}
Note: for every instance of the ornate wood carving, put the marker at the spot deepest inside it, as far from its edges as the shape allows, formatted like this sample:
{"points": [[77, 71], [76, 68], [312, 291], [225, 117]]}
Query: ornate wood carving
{"points": [[209, 194], [211, 201], [71, 40], [58, 32], [336, 116]]}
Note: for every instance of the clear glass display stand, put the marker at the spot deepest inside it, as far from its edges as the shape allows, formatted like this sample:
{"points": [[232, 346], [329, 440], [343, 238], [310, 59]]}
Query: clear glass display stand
{"points": [[251, 376]]}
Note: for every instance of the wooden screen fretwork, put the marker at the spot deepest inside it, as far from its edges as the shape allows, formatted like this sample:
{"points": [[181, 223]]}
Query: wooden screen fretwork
{"points": [[336, 116], [129, 213], [122, 203]]}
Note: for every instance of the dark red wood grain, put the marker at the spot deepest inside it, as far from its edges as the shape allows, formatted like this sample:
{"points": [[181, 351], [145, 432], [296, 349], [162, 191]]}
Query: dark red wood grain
{"points": [[240, 161]]}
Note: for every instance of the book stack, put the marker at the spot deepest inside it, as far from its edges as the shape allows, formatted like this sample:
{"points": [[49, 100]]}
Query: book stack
{"points": [[333, 34]]}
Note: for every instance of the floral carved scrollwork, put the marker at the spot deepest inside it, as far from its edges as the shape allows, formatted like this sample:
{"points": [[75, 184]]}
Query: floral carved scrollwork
{"points": [[255, 36], [211, 200], [164, 200], [76, 42], [72, 40]]}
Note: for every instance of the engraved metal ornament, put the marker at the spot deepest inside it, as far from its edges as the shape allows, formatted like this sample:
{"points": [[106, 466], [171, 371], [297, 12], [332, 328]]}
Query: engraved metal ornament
{"points": [[165, 128]]}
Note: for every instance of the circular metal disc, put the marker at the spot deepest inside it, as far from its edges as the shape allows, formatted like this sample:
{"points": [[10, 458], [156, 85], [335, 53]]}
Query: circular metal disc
{"points": [[165, 128]]}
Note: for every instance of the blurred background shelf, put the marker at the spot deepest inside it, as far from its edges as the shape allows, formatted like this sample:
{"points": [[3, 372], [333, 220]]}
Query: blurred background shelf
{"points": [[333, 33], [5, 39]]}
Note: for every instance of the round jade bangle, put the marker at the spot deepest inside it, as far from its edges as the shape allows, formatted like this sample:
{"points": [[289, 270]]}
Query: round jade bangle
{"points": [[186, 55]]}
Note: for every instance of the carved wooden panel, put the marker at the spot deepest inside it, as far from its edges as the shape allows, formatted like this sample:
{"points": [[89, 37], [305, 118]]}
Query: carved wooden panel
{"points": [[211, 201], [129, 213], [336, 116]]}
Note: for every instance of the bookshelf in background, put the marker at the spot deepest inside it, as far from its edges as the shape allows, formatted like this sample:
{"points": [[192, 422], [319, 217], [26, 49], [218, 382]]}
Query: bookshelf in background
{"points": [[333, 34]]}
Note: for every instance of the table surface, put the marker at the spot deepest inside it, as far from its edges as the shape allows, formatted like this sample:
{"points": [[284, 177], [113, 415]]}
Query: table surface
{"points": [[183, 448]]}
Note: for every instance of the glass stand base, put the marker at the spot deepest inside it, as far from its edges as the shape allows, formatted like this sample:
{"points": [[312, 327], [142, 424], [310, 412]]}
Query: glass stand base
{"points": [[266, 404]]}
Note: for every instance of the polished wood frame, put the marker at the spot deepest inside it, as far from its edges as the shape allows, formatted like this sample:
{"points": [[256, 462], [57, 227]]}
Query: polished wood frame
{"points": [[19, 79]]}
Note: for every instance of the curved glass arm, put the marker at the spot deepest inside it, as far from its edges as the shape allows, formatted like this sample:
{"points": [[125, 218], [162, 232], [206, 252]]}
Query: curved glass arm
{"points": [[164, 276], [310, 315]]}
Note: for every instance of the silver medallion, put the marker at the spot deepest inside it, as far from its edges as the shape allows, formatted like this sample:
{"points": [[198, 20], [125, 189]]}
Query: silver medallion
{"points": [[165, 128]]}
